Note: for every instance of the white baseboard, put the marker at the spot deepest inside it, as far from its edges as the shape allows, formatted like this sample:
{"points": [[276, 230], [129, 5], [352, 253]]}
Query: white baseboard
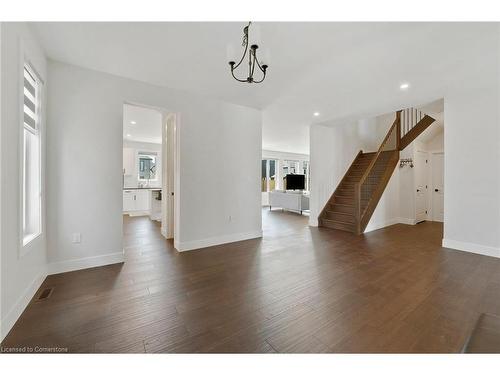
{"points": [[198, 244], [82, 263], [15, 312], [138, 213], [13, 315], [371, 227], [472, 248], [407, 221]]}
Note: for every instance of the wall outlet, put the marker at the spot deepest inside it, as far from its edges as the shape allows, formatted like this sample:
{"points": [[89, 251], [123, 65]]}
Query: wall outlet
{"points": [[230, 218], [76, 238]]}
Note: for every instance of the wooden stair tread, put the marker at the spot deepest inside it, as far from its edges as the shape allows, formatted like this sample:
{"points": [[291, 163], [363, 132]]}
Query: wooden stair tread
{"points": [[344, 217], [338, 221], [338, 225]]}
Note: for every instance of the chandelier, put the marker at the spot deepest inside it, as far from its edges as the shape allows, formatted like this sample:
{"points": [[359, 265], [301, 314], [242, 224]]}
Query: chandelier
{"points": [[252, 60]]}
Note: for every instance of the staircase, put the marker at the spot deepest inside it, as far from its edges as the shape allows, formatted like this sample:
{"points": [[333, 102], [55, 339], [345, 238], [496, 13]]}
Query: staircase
{"points": [[354, 200]]}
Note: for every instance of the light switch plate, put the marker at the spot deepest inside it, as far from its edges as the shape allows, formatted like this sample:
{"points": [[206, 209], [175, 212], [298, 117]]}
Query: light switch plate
{"points": [[76, 238]]}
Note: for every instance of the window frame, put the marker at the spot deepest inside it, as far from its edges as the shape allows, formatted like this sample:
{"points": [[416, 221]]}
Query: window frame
{"points": [[28, 242], [307, 173], [268, 176], [138, 165]]}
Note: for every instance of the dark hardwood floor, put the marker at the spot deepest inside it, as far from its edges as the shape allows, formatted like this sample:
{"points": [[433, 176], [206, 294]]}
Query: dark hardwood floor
{"points": [[298, 289]]}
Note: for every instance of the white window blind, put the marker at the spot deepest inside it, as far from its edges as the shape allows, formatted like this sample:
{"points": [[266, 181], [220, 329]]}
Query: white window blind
{"points": [[30, 100], [31, 157]]}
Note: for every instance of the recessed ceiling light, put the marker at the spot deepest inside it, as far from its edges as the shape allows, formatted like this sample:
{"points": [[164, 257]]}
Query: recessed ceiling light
{"points": [[128, 135], [316, 114], [404, 86], [133, 122]]}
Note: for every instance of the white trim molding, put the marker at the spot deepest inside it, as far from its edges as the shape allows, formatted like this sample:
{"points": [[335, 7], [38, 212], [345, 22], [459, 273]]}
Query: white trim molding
{"points": [[198, 244], [407, 221], [375, 226], [54, 268], [15, 312], [472, 248], [83, 263], [313, 222]]}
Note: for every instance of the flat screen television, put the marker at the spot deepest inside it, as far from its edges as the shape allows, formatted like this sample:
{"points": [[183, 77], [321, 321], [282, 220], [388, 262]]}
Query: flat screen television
{"points": [[295, 182]]}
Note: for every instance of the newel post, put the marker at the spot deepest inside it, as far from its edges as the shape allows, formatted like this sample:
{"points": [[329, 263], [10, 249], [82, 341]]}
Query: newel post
{"points": [[398, 130], [357, 207]]}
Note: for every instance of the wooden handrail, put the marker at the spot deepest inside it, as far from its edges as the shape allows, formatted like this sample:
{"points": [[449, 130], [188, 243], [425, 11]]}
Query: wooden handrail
{"points": [[398, 129], [372, 163], [358, 215], [401, 142]]}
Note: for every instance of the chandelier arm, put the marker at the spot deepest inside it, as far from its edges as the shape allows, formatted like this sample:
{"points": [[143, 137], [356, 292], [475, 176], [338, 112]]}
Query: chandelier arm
{"points": [[239, 80], [246, 49], [250, 64], [263, 77], [242, 57], [260, 67], [253, 63]]}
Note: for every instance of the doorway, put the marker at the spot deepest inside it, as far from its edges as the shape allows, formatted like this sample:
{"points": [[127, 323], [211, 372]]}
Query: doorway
{"points": [[437, 183], [169, 132], [148, 172], [421, 185]]}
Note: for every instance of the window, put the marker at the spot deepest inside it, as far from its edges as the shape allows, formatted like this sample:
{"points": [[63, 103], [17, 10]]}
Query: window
{"points": [[290, 167], [305, 171], [31, 159], [147, 166], [268, 175]]}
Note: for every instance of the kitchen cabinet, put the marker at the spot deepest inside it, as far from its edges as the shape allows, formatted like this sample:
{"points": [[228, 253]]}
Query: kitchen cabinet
{"points": [[137, 201], [155, 211], [128, 161], [142, 200], [128, 200]]}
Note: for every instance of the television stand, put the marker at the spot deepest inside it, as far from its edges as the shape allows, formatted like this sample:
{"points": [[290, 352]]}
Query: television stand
{"points": [[291, 200]]}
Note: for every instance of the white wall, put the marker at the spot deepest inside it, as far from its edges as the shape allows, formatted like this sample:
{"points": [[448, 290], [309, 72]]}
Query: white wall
{"points": [[472, 160], [436, 143], [21, 275], [217, 143], [133, 180]]}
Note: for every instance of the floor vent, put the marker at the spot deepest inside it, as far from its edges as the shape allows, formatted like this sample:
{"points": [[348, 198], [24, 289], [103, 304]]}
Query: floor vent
{"points": [[46, 293]]}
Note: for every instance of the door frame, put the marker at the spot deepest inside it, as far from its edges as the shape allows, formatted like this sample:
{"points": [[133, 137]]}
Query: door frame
{"points": [[173, 172], [432, 164], [169, 183], [427, 186]]}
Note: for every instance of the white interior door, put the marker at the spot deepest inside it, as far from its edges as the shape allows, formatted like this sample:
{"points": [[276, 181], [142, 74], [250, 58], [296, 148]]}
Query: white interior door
{"points": [[421, 175], [438, 187], [168, 186]]}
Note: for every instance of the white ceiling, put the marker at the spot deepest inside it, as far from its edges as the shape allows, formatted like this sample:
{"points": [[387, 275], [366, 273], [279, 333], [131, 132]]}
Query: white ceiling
{"points": [[147, 127], [338, 69]]}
